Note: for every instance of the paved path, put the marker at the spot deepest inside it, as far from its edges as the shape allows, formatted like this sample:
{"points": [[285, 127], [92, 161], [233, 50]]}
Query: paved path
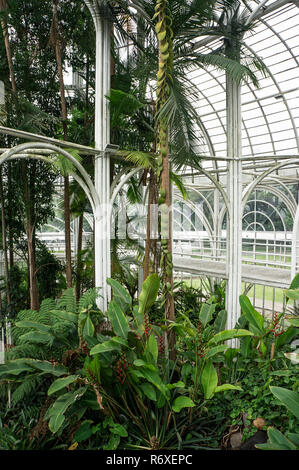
{"points": [[250, 273]]}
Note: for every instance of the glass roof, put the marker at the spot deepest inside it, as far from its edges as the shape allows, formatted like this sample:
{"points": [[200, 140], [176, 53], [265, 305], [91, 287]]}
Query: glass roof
{"points": [[270, 114]]}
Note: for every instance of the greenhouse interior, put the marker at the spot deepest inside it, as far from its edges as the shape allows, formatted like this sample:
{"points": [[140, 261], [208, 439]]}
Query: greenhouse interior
{"points": [[149, 247]]}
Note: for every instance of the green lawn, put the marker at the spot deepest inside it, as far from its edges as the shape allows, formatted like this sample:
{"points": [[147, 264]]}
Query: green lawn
{"points": [[258, 290]]}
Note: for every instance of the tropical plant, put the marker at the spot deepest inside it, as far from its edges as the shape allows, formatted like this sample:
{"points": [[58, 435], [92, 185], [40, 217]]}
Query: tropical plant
{"points": [[277, 440], [268, 336]]}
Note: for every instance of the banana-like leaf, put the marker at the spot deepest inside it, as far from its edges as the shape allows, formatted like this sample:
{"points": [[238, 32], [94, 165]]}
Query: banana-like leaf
{"points": [[57, 410], [229, 334], [119, 322], [288, 398], [209, 380], [220, 321], [256, 321], [59, 384], [120, 294], [206, 313], [107, 346], [149, 292]]}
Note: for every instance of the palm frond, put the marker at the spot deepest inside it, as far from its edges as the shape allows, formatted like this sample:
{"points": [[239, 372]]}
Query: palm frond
{"points": [[138, 158]]}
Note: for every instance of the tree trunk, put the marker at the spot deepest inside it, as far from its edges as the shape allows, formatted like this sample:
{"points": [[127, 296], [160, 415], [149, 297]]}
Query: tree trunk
{"points": [[3, 6], [4, 244], [34, 300], [55, 38], [29, 208]]}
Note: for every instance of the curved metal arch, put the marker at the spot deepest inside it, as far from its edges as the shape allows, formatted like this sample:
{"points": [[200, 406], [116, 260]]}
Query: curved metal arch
{"points": [[52, 226], [201, 216], [122, 182], [281, 92], [197, 191], [255, 223], [284, 186], [85, 182], [249, 188], [262, 213], [277, 192], [218, 186], [46, 160], [175, 209], [217, 112], [271, 190]]}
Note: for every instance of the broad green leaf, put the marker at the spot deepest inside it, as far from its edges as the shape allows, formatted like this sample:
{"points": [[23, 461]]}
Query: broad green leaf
{"points": [[47, 367], [33, 325], [88, 329], [289, 398], [292, 294], [16, 367], [119, 322], [182, 402], [149, 391], [60, 406], [225, 387], [293, 321], [245, 346], [72, 317], [37, 337], [55, 423], [270, 446], [151, 348], [256, 321], [216, 350], [113, 443], [92, 366], [62, 383], [118, 340], [178, 384], [206, 313], [229, 334], [152, 376], [295, 282], [286, 337], [139, 363], [107, 346], [120, 295], [209, 380], [118, 430], [220, 321], [84, 432], [276, 437], [294, 438], [149, 292]]}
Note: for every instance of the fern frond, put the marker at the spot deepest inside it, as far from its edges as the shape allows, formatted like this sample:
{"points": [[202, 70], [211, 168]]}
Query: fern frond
{"points": [[89, 298], [68, 300], [46, 306], [27, 387]]}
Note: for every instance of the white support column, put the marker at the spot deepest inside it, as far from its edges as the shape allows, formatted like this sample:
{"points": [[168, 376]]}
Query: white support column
{"points": [[295, 245], [102, 161], [234, 188], [75, 236]]}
